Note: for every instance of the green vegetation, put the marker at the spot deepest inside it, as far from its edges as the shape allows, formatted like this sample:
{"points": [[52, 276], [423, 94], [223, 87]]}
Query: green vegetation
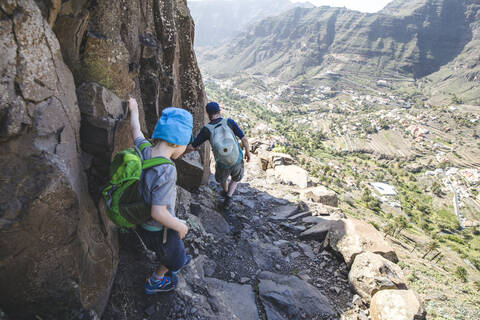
{"points": [[461, 273]]}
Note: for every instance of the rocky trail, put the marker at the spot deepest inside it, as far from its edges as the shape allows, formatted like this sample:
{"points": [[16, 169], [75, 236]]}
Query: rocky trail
{"points": [[263, 259]]}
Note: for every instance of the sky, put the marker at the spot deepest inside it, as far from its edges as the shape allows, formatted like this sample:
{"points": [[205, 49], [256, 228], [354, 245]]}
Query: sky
{"points": [[360, 5]]}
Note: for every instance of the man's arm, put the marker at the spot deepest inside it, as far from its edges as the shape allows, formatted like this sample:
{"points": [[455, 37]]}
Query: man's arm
{"points": [[134, 119], [203, 136], [247, 148], [239, 133], [161, 215]]}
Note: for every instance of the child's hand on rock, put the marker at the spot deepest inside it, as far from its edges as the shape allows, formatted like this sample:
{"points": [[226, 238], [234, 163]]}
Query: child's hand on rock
{"points": [[133, 105]]}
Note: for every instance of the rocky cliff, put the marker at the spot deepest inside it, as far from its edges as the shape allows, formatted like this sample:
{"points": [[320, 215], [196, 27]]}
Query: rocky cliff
{"points": [[406, 41], [66, 67], [218, 21]]}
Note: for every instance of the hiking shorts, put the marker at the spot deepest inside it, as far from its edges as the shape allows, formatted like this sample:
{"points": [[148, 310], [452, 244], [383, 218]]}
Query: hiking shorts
{"points": [[222, 174], [171, 254]]}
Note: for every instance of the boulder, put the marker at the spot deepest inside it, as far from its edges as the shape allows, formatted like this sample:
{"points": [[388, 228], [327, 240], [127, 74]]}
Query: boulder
{"points": [[288, 297], [224, 300], [351, 237], [103, 132], [396, 305], [281, 213], [269, 160], [212, 221], [265, 255], [371, 273], [321, 195], [292, 175], [319, 231], [190, 171]]}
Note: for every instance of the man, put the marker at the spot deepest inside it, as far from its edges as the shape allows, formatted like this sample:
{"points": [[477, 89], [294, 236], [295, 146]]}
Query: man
{"points": [[222, 134]]}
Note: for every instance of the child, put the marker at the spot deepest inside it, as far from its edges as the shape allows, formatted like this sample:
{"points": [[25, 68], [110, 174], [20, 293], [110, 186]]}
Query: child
{"points": [[158, 188]]}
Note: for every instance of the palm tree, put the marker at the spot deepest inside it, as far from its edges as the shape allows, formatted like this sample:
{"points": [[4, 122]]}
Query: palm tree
{"points": [[432, 245]]}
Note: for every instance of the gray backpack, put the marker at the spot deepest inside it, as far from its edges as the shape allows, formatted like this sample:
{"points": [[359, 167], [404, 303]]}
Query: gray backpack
{"points": [[226, 148]]}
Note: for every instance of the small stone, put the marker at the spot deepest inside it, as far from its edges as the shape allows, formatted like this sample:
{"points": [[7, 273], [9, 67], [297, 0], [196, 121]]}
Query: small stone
{"points": [[278, 267], [193, 310], [357, 301], [244, 280], [294, 255], [232, 275], [150, 310], [281, 243], [335, 289]]}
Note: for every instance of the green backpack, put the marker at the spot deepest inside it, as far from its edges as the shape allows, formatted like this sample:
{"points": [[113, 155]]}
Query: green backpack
{"points": [[124, 204]]}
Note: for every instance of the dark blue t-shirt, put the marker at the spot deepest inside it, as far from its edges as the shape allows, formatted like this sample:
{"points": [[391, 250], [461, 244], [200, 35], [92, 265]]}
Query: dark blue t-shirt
{"points": [[204, 134]]}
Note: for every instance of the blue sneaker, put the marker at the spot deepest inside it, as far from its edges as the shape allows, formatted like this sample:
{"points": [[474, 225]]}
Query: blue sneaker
{"points": [[188, 259], [166, 284]]}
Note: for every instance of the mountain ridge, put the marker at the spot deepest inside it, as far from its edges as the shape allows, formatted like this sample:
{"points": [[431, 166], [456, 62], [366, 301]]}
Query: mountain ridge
{"points": [[421, 38], [217, 21]]}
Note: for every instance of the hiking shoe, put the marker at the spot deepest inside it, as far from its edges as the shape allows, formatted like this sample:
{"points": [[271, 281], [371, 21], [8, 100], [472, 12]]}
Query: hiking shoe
{"points": [[227, 204], [188, 259], [166, 284], [223, 194]]}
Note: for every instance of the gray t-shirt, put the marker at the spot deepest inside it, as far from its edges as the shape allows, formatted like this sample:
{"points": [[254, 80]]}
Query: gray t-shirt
{"points": [[157, 186]]}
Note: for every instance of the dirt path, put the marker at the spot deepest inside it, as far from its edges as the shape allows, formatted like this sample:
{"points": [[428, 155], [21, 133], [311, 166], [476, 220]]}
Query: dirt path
{"points": [[249, 263]]}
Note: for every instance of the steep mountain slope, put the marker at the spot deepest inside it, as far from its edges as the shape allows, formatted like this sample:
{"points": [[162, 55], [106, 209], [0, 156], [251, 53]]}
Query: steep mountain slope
{"points": [[408, 40], [217, 21]]}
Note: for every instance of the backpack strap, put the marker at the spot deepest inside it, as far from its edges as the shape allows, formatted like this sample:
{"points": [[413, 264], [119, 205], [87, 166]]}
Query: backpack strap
{"points": [[212, 127], [153, 162], [144, 145]]}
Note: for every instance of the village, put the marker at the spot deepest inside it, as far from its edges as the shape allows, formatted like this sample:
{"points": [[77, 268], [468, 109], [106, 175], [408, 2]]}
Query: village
{"points": [[387, 126]]}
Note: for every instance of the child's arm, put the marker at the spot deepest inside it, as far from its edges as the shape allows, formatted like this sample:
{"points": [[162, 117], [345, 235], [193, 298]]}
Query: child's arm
{"points": [[161, 215], [134, 119]]}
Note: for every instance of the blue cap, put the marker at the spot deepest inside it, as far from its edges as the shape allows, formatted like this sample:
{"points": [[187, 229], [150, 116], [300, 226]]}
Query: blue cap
{"points": [[212, 108], [174, 126]]}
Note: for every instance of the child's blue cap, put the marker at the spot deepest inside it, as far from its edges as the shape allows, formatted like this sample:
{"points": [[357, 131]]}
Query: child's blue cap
{"points": [[212, 108], [174, 126]]}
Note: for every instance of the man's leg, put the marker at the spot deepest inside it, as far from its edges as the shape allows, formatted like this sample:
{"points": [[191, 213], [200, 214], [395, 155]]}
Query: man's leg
{"points": [[232, 187], [221, 176], [226, 186]]}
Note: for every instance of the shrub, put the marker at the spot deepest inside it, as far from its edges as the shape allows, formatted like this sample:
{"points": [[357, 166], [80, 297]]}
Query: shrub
{"points": [[461, 273]]}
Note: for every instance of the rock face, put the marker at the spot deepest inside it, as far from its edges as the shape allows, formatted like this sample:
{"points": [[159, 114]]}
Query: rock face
{"points": [[396, 305], [58, 251], [288, 297], [351, 237], [218, 21], [371, 273]]}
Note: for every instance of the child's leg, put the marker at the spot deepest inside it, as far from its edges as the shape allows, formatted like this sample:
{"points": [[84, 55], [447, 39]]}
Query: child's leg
{"points": [[161, 270]]}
